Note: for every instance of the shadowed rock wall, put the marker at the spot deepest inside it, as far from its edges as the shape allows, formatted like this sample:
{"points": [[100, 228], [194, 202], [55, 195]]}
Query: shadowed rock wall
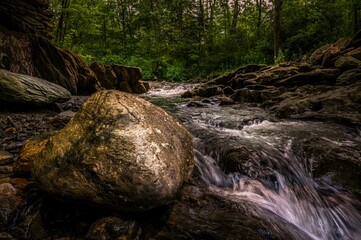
{"points": [[25, 48], [27, 16]]}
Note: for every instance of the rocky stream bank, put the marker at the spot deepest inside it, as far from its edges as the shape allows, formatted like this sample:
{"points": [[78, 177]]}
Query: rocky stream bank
{"points": [[122, 168]]}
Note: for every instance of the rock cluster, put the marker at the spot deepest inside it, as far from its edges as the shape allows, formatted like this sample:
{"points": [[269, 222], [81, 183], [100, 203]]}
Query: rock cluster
{"points": [[326, 86]]}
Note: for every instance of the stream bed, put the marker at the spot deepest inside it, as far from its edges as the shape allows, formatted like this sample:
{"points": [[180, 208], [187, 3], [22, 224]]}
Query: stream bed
{"points": [[301, 179]]}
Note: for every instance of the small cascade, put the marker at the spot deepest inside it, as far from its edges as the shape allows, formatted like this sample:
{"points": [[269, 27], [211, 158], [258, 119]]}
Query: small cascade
{"points": [[317, 209]]}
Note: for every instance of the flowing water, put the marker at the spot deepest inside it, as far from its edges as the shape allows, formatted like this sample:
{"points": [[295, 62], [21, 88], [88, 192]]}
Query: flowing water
{"points": [[246, 155]]}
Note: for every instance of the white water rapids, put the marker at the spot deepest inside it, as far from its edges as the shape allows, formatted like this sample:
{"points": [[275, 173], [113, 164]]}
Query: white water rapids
{"points": [[315, 207]]}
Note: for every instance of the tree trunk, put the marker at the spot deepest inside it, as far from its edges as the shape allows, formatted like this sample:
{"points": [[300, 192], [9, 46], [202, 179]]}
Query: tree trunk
{"points": [[226, 16], [105, 31], [236, 10], [356, 17], [277, 27], [259, 17], [60, 31]]}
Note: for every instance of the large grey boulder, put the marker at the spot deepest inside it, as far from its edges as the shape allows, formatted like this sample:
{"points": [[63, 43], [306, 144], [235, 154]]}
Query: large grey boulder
{"points": [[119, 151], [23, 89]]}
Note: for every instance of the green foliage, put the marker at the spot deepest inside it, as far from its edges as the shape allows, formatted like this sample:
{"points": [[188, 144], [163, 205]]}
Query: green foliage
{"points": [[176, 71], [184, 39]]}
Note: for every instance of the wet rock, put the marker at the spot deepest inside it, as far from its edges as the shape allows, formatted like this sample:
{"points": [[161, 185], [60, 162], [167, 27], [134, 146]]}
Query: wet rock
{"points": [[239, 80], [259, 87], [325, 55], [187, 94], [334, 155], [127, 74], [305, 67], [29, 223], [74, 104], [22, 89], [272, 75], [86, 80], [210, 91], [6, 169], [195, 104], [228, 91], [245, 95], [250, 68], [125, 87], [146, 85], [349, 77], [5, 61], [138, 88], [32, 147], [62, 67], [118, 152], [11, 203], [6, 236], [5, 158], [254, 96], [61, 119], [224, 100], [198, 215], [126, 79], [347, 62], [20, 183], [105, 75], [355, 53], [250, 82], [113, 228], [317, 77], [337, 104], [316, 57], [225, 79]]}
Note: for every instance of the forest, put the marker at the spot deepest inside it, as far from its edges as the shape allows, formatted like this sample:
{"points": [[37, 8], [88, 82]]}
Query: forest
{"points": [[183, 39]]}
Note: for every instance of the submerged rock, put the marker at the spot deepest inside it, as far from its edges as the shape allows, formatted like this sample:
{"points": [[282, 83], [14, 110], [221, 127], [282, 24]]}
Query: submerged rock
{"points": [[118, 151], [23, 89], [11, 202]]}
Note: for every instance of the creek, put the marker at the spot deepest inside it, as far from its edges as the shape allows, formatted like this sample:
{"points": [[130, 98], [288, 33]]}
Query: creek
{"points": [[296, 175]]}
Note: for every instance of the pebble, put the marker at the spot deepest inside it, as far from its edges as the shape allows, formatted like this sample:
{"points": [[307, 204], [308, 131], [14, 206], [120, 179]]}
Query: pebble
{"points": [[6, 236], [6, 169], [5, 158], [10, 130]]}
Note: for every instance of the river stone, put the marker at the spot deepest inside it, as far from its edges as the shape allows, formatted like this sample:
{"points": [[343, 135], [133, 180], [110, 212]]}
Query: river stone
{"points": [[349, 77], [114, 228], [23, 89], [119, 151], [347, 62], [11, 202]]}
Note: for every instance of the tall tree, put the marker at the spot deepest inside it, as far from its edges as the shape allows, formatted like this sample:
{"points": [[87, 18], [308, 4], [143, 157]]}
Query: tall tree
{"points": [[277, 27], [61, 27], [356, 21]]}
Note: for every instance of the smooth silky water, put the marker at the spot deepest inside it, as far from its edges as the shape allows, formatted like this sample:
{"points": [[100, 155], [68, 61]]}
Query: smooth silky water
{"points": [[277, 178]]}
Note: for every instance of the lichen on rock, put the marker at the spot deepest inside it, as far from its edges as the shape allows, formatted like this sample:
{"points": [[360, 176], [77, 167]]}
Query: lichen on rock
{"points": [[119, 151]]}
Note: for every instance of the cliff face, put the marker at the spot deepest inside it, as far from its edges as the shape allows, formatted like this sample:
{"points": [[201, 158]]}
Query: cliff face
{"points": [[26, 16]]}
